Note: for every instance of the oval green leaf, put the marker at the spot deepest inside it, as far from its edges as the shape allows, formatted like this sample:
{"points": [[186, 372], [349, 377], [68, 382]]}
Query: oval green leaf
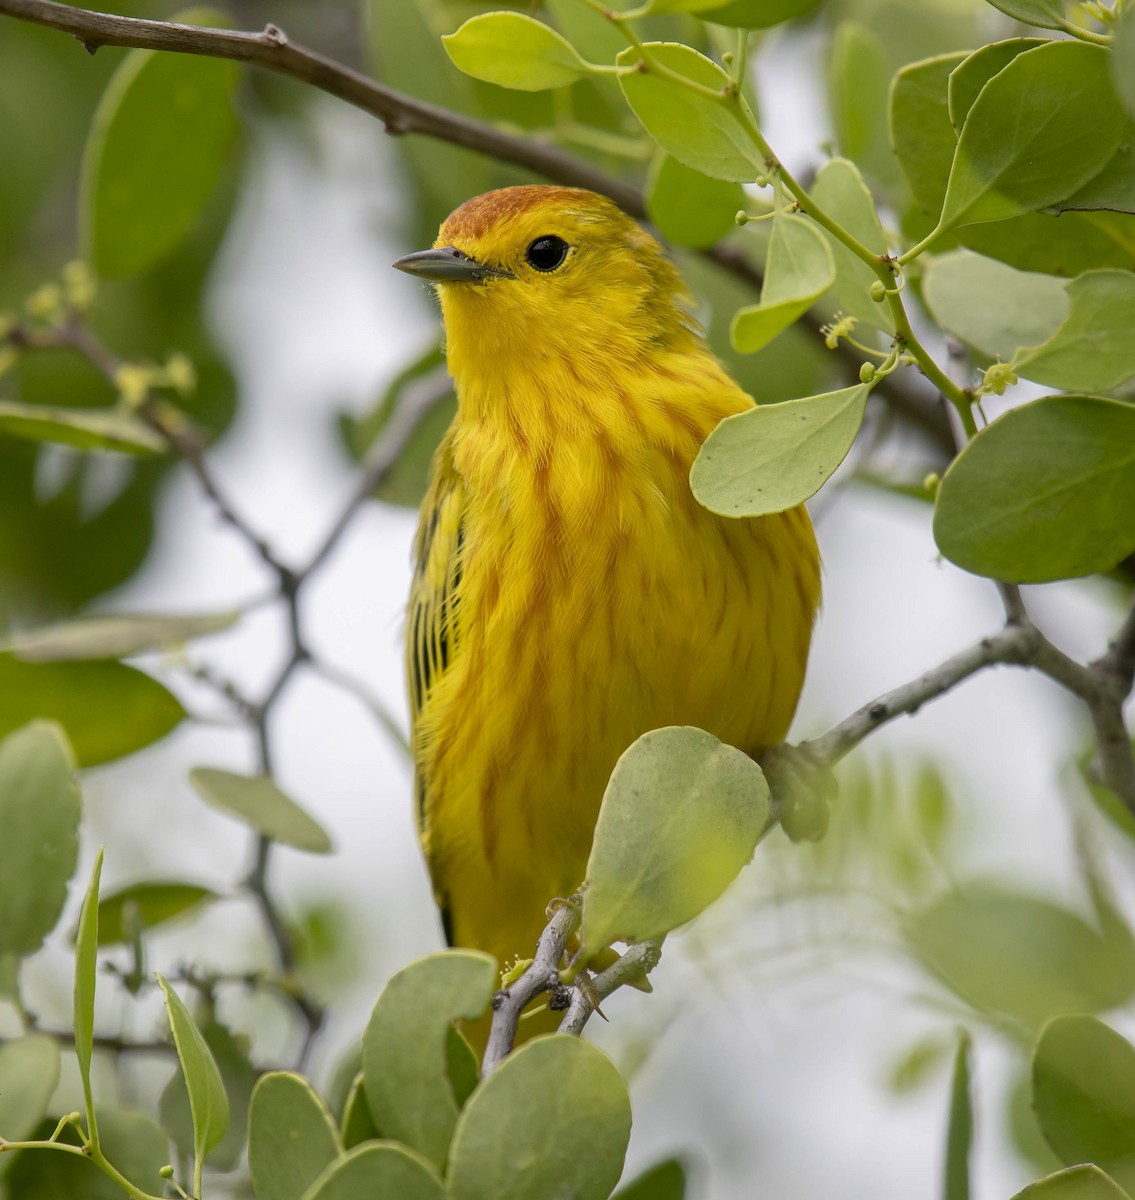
{"points": [[208, 1103], [159, 142], [125, 913], [378, 1169], [681, 816], [1038, 131], [113, 636], [84, 428], [39, 834], [1045, 14], [29, 1071], [553, 1120], [405, 1060], [514, 51], [919, 127], [707, 133], [1084, 1182], [689, 208], [1047, 491], [1084, 1095], [974, 72], [775, 456], [256, 800], [108, 709], [1092, 351], [799, 269], [291, 1137], [86, 961]]}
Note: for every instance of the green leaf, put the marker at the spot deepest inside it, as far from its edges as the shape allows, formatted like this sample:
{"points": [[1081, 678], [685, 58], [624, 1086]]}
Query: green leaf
{"points": [[840, 190], [959, 1132], [1123, 59], [1092, 351], [974, 72], [919, 127], [1064, 245], [378, 1169], [1037, 132], [1084, 1095], [358, 1124], [990, 306], [1047, 491], [707, 133], [108, 709], [1046, 14], [687, 207], [291, 1137], [775, 456], [113, 636], [859, 80], [159, 142], [799, 269], [553, 1120], [514, 51], [85, 428], [1084, 1182], [666, 1180], [1113, 188], [405, 1064], [256, 800], [39, 834], [1008, 953], [86, 962], [125, 913], [681, 816], [760, 14], [29, 1071], [207, 1101]]}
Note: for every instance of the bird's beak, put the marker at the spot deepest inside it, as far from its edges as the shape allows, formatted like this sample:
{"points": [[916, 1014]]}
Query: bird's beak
{"points": [[447, 264]]}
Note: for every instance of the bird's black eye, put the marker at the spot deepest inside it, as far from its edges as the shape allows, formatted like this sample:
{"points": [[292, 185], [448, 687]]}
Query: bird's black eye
{"points": [[547, 253]]}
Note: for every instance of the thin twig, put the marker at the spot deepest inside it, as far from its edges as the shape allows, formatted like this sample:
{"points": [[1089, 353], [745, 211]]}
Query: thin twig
{"points": [[633, 965]]}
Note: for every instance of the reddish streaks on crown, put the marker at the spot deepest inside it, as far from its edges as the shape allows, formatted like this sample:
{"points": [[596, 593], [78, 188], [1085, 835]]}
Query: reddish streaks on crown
{"points": [[477, 217]]}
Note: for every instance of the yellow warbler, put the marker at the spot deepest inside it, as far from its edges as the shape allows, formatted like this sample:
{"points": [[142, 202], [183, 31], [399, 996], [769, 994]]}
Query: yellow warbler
{"points": [[570, 593]]}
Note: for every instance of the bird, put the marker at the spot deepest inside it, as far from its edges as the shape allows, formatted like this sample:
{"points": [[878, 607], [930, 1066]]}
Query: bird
{"points": [[569, 593]]}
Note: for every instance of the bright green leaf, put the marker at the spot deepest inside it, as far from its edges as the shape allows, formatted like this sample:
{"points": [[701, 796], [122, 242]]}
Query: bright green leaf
{"points": [[921, 135], [680, 817], [974, 72], [159, 142], [990, 306], [775, 456], [291, 1137], [1092, 351], [1084, 1095], [108, 709], [553, 1120], [86, 961], [1064, 245], [689, 208], [29, 1071], [799, 269], [1009, 953], [1045, 14], [85, 428], [256, 800], [959, 1132], [1037, 132], [207, 1101], [707, 133], [39, 834], [125, 913], [378, 1169], [760, 14], [1083, 1182], [514, 51], [405, 1063], [666, 1180], [113, 636], [1047, 491]]}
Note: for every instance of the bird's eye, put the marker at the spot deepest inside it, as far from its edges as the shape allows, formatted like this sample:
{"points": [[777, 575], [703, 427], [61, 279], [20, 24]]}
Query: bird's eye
{"points": [[547, 253]]}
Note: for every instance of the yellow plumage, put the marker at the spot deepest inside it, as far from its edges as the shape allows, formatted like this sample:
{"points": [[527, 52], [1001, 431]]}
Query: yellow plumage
{"points": [[570, 593]]}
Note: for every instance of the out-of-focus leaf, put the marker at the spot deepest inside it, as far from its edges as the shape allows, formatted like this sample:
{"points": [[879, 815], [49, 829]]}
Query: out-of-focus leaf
{"points": [[113, 636], [84, 428], [666, 1180], [1123, 59], [1046, 14], [690, 208], [291, 1137], [39, 834], [86, 959], [125, 913], [1083, 1182], [859, 81], [514, 50], [959, 1131], [107, 709], [256, 800], [760, 14], [29, 1071]]}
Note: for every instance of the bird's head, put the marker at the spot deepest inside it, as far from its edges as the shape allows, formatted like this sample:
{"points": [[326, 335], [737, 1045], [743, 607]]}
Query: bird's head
{"points": [[535, 270]]}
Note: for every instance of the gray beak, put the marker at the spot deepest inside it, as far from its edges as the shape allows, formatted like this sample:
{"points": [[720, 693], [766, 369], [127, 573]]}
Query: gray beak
{"points": [[446, 264]]}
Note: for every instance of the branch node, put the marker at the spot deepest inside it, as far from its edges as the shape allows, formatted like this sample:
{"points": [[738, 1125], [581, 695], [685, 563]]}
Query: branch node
{"points": [[88, 46], [274, 35]]}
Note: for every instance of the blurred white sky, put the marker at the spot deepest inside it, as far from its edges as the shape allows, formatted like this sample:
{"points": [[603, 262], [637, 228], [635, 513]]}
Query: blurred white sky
{"points": [[751, 1074]]}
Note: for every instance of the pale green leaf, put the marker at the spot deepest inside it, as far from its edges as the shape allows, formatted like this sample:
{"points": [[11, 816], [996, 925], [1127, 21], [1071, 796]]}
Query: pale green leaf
{"points": [[1045, 14], [707, 133], [1113, 188], [159, 143], [681, 816], [1093, 350], [405, 1063], [760, 14], [357, 1125], [29, 1071], [256, 800], [378, 1169], [687, 207], [1084, 1095], [1083, 1182], [126, 913], [776, 456], [514, 50], [1047, 491], [799, 269], [39, 834], [84, 428], [113, 636], [921, 135], [553, 1120], [292, 1138]]}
